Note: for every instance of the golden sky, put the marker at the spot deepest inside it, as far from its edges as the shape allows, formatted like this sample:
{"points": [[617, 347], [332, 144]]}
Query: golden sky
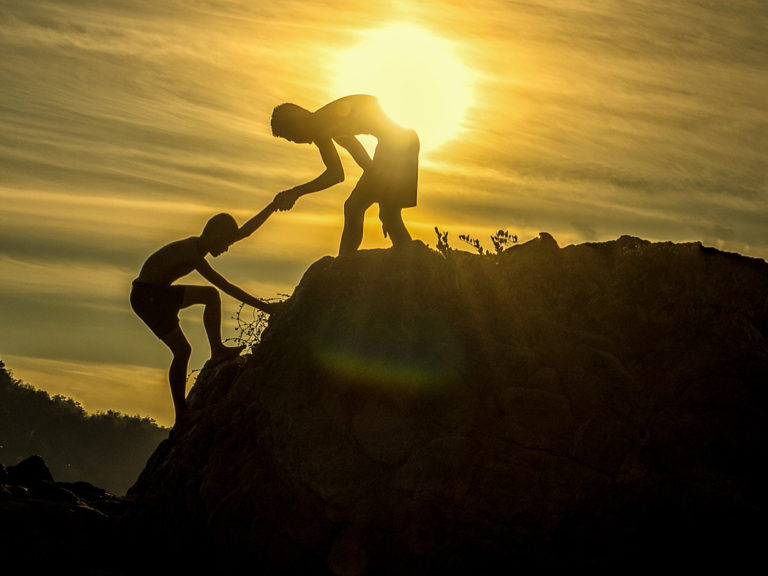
{"points": [[126, 124]]}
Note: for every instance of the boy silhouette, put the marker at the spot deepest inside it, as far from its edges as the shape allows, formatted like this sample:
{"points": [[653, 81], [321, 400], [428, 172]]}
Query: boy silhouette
{"points": [[157, 301], [389, 178]]}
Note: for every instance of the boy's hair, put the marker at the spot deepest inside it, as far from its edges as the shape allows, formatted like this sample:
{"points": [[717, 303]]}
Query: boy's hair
{"points": [[221, 225], [286, 118]]}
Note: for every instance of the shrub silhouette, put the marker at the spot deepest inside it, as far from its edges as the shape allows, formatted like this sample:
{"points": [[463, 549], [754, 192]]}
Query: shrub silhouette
{"points": [[501, 241], [249, 329]]}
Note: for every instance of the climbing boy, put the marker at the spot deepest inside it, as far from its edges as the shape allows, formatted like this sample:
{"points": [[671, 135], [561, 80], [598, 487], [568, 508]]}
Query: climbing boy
{"points": [[157, 300]]}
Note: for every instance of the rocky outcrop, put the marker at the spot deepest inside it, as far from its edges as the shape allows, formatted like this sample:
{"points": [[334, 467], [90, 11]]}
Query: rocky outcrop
{"points": [[418, 413], [66, 526]]}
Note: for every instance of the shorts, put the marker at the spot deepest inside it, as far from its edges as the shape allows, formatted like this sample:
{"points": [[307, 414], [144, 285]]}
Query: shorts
{"points": [[392, 178], [157, 305]]}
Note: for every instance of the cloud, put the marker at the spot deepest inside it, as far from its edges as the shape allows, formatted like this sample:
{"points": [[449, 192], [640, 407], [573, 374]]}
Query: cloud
{"points": [[125, 125]]}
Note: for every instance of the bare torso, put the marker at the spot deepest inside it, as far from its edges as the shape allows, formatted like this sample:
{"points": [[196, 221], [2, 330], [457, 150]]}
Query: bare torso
{"points": [[353, 115], [171, 262]]}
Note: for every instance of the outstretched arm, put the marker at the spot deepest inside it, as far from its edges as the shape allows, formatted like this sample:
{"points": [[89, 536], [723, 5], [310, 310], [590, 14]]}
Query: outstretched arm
{"points": [[207, 272], [334, 174], [254, 223]]}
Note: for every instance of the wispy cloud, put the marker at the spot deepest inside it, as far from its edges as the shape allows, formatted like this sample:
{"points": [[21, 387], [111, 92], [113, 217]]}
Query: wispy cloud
{"points": [[125, 125]]}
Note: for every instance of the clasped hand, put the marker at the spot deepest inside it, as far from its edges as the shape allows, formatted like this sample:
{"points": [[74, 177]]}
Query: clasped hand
{"points": [[286, 199]]}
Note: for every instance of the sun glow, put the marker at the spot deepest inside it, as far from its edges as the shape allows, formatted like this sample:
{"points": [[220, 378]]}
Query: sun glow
{"points": [[417, 78]]}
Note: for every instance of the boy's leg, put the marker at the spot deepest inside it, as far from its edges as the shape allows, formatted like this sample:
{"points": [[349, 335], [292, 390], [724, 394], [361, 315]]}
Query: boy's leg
{"points": [[209, 297], [392, 221], [177, 375], [354, 217]]}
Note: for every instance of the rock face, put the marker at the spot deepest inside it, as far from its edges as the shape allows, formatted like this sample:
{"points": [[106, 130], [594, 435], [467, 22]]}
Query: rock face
{"points": [[418, 413]]}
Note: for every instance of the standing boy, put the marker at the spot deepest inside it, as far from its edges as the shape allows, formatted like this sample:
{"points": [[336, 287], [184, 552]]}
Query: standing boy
{"points": [[390, 178]]}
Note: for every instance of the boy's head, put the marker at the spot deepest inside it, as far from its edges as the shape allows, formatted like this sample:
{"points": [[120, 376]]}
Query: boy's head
{"points": [[220, 233], [292, 122]]}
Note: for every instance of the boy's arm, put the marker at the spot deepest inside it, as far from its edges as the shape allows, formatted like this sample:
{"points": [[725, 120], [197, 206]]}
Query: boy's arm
{"points": [[359, 154], [334, 174], [254, 223], [207, 272]]}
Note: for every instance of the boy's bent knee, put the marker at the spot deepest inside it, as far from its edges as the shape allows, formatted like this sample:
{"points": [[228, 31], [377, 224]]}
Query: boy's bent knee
{"points": [[357, 203], [179, 345]]}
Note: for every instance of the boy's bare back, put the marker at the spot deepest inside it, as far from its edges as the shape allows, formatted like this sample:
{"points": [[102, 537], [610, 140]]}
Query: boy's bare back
{"points": [[172, 261]]}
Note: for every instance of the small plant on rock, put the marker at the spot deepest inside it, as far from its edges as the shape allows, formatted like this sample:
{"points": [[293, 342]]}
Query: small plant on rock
{"points": [[501, 241], [250, 326], [442, 242]]}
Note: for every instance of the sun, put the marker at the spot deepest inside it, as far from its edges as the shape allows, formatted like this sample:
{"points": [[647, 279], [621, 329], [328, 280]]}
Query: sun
{"points": [[418, 80]]}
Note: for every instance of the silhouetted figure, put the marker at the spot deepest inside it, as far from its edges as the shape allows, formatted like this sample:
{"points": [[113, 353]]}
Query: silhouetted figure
{"points": [[157, 301], [390, 178]]}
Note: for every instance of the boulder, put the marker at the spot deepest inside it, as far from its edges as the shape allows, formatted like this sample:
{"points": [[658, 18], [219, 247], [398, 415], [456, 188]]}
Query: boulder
{"points": [[48, 525]]}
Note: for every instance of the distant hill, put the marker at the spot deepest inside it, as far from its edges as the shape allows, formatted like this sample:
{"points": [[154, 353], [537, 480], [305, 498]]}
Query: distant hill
{"points": [[108, 449], [601, 405]]}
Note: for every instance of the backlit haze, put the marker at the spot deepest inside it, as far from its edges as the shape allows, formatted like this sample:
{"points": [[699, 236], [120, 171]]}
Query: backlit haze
{"points": [[125, 125]]}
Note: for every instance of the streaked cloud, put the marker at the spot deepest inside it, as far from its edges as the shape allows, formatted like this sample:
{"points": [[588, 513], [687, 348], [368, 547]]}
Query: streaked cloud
{"points": [[126, 124]]}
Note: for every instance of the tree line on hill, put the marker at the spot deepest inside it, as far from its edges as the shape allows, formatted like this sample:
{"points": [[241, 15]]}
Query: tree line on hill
{"points": [[107, 449]]}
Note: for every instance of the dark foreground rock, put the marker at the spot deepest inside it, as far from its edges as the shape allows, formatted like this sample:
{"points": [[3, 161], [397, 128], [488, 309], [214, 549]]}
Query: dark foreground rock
{"points": [[599, 405], [67, 527]]}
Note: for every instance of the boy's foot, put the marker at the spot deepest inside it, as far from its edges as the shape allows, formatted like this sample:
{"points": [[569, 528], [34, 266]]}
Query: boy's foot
{"points": [[223, 354], [406, 245]]}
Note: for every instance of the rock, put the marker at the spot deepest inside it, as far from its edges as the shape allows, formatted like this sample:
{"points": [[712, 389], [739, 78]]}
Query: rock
{"points": [[29, 471], [47, 525], [548, 407]]}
